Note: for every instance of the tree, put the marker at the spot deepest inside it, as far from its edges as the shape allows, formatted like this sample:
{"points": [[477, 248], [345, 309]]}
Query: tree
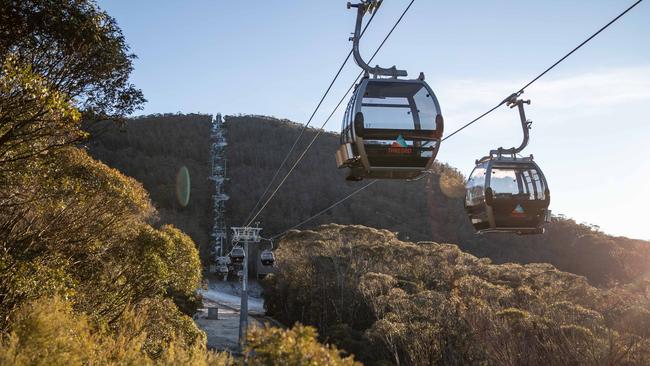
{"points": [[34, 118], [75, 46], [80, 249]]}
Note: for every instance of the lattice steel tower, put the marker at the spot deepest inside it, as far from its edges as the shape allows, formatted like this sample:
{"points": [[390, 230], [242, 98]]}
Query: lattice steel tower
{"points": [[218, 144]]}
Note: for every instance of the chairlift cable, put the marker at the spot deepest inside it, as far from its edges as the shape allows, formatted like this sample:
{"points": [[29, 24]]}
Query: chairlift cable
{"points": [[328, 118], [326, 209], [521, 91], [579, 46], [472, 121], [302, 130]]}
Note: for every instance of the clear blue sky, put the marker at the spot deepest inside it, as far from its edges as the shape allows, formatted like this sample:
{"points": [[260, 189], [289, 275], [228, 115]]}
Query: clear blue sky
{"points": [[591, 130]]}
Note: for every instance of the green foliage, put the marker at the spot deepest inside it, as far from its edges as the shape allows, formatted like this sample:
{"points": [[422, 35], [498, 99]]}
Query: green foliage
{"points": [[79, 249], [429, 303], [293, 347], [183, 262], [72, 216], [49, 332], [77, 48], [82, 234], [34, 118], [163, 323]]}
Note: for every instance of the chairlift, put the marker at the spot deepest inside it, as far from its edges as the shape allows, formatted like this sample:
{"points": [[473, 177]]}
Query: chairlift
{"points": [[267, 257], [506, 193], [237, 255], [392, 128]]}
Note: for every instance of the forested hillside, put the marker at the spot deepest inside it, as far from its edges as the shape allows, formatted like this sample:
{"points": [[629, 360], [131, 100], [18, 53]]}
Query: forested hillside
{"points": [[257, 147], [394, 302], [153, 149], [429, 209]]}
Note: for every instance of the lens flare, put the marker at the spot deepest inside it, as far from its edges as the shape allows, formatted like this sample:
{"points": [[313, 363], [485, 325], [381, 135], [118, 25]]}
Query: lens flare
{"points": [[183, 186]]}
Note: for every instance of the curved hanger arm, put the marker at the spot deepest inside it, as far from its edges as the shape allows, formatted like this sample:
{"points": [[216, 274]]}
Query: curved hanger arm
{"points": [[512, 102], [270, 240], [362, 8]]}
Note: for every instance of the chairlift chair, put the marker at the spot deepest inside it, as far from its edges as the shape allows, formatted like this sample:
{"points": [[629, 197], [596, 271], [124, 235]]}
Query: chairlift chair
{"points": [[237, 255], [267, 257]]}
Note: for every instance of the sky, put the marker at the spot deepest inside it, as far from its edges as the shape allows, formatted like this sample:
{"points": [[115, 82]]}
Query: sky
{"points": [[590, 132]]}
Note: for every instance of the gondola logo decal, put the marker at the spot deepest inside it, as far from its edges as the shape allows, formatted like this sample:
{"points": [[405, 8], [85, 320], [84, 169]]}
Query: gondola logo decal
{"points": [[400, 146], [401, 141], [518, 211]]}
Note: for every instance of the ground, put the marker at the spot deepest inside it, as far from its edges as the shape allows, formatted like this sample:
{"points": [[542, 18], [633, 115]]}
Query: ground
{"points": [[223, 333]]}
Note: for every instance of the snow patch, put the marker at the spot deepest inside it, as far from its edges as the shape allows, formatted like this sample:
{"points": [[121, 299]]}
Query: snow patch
{"points": [[228, 293]]}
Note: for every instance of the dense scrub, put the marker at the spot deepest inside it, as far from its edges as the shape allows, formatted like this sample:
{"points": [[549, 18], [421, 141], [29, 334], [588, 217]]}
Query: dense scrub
{"points": [[49, 332], [395, 302], [294, 347]]}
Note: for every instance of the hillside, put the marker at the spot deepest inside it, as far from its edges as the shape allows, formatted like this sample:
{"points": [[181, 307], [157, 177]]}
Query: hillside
{"points": [[393, 302], [153, 148], [257, 147], [429, 209], [369, 291]]}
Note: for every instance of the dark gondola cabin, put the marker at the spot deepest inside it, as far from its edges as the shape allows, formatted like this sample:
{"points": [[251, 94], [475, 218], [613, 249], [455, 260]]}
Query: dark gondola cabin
{"points": [[507, 194], [391, 129], [267, 258], [237, 255]]}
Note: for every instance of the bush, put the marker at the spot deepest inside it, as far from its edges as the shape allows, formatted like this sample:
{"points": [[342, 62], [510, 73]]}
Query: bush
{"points": [[49, 332], [429, 303], [293, 347]]}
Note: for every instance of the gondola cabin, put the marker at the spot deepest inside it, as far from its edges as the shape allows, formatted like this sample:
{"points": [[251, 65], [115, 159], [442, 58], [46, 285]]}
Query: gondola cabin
{"points": [[267, 257], [237, 255], [391, 129], [507, 194]]}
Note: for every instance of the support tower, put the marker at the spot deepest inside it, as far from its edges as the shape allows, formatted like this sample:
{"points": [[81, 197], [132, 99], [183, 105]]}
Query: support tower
{"points": [[219, 232]]}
